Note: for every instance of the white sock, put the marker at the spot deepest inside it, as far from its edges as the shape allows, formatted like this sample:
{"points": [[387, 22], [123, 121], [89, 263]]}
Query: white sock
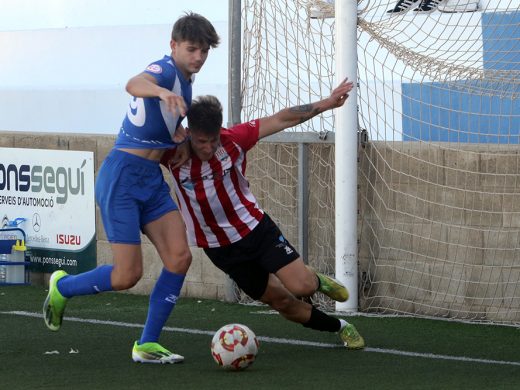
{"points": [[343, 324]]}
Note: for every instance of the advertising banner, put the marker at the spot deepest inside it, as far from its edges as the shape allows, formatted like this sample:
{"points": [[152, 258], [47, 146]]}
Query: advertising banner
{"points": [[50, 195]]}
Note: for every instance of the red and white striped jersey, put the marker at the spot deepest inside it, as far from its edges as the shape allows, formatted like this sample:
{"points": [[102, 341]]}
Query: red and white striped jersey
{"points": [[214, 196]]}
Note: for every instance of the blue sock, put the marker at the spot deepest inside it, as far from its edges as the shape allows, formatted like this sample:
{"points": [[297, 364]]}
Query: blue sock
{"points": [[87, 283], [162, 301]]}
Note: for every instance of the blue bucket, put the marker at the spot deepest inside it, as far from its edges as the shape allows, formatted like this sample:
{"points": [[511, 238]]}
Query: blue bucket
{"points": [[6, 246]]}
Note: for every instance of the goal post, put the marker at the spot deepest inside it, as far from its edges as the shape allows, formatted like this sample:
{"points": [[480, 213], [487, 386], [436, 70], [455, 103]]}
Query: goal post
{"points": [[346, 126]]}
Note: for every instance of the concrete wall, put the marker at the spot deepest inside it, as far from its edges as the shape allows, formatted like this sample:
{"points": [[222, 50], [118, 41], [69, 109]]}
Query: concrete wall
{"points": [[438, 228]]}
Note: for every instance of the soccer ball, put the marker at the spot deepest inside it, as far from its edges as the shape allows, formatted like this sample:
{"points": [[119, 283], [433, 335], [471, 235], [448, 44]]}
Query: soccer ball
{"points": [[234, 346]]}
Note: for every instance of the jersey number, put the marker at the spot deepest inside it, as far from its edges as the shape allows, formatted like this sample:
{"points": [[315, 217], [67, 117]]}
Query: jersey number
{"points": [[136, 112]]}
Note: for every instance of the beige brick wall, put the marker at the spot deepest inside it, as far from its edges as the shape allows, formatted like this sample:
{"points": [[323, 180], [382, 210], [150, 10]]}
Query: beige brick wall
{"points": [[395, 172], [440, 229]]}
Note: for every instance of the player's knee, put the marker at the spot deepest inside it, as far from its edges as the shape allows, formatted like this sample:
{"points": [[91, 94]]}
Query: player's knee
{"points": [[184, 260], [304, 287], [282, 304], [179, 262]]}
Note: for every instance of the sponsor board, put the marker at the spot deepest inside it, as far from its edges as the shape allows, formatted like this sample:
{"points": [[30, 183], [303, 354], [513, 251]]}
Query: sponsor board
{"points": [[53, 191]]}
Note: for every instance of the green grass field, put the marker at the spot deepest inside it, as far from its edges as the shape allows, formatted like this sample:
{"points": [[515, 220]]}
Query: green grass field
{"points": [[401, 353]]}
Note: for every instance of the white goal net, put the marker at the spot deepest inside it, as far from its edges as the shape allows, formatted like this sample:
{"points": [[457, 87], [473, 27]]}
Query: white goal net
{"points": [[438, 177]]}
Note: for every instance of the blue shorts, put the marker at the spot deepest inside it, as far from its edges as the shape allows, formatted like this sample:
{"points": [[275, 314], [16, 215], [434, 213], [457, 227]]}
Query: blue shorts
{"points": [[130, 192]]}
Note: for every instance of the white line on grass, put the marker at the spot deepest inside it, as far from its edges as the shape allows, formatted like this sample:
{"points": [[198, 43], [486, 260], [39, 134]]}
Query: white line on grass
{"points": [[278, 340]]}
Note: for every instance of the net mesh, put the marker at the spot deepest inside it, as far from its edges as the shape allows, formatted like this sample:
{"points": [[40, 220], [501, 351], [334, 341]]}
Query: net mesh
{"points": [[439, 194], [287, 61]]}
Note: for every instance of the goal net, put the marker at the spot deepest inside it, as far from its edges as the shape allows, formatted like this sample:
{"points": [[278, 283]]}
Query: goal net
{"points": [[439, 164]]}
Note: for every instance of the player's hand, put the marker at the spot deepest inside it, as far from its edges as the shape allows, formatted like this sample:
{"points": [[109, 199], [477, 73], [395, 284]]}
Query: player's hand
{"points": [[339, 95], [182, 154], [174, 103], [180, 134]]}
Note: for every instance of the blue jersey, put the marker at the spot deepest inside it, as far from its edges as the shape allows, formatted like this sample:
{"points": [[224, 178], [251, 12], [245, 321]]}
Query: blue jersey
{"points": [[148, 123]]}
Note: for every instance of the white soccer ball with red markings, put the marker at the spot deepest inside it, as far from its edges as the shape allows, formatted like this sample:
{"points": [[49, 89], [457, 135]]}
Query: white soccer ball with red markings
{"points": [[234, 346]]}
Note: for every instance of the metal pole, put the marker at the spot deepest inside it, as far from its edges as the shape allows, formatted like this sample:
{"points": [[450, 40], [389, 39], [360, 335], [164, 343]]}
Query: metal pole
{"points": [[346, 154], [234, 98], [234, 62], [303, 201]]}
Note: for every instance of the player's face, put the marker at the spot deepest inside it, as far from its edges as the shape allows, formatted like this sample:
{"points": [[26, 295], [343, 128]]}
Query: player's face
{"points": [[189, 56], [204, 146]]}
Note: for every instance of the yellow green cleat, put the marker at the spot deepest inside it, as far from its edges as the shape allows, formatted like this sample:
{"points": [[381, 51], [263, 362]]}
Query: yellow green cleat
{"points": [[55, 303], [332, 288], [154, 353], [351, 337]]}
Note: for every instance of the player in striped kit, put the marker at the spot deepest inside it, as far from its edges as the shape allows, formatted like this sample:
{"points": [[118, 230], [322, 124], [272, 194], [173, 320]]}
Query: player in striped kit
{"points": [[223, 217], [133, 197]]}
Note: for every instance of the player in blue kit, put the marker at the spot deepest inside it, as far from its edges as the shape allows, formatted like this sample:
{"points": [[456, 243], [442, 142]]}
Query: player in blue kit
{"points": [[132, 195]]}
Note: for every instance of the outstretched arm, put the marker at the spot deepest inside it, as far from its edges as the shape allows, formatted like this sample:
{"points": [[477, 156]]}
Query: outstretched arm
{"points": [[293, 116]]}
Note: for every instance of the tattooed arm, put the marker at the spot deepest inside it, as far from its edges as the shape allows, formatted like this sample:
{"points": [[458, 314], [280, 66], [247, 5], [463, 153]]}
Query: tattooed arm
{"points": [[293, 116]]}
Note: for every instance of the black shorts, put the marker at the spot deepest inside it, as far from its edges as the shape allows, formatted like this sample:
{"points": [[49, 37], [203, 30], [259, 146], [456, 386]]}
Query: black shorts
{"points": [[250, 261]]}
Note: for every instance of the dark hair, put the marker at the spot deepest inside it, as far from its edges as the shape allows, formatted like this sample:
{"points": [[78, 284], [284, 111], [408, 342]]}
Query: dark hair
{"points": [[205, 115], [195, 28]]}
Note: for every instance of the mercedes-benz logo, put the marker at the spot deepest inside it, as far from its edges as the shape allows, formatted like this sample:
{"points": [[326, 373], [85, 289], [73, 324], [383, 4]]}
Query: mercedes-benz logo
{"points": [[36, 222]]}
